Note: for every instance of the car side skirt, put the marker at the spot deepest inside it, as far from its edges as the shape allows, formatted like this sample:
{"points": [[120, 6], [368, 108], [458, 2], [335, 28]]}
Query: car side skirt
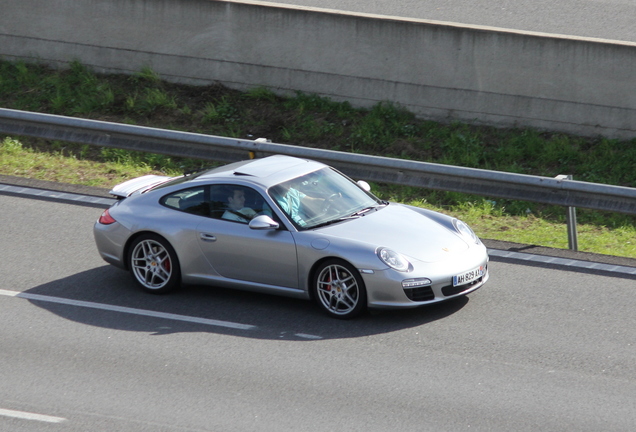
{"points": [[217, 281]]}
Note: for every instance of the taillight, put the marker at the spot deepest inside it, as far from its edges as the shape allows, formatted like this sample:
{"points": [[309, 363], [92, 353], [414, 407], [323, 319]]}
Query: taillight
{"points": [[106, 218]]}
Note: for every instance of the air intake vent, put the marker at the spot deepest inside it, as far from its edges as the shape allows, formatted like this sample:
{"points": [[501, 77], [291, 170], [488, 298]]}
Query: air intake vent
{"points": [[420, 294]]}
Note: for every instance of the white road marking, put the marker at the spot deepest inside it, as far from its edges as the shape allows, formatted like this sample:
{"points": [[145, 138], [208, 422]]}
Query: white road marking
{"points": [[31, 416], [107, 202], [127, 310], [308, 336]]}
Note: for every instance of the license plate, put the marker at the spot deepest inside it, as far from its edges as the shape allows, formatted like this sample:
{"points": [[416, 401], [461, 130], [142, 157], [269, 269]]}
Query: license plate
{"points": [[468, 277]]}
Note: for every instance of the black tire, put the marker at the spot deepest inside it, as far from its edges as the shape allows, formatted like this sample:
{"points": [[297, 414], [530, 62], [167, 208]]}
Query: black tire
{"points": [[154, 264], [339, 290]]}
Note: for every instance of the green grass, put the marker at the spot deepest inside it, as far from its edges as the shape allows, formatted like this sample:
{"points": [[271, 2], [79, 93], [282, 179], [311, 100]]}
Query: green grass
{"points": [[59, 166], [312, 121]]}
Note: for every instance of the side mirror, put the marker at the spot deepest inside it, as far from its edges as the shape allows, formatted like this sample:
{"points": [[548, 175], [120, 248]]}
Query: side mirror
{"points": [[263, 222], [364, 185]]}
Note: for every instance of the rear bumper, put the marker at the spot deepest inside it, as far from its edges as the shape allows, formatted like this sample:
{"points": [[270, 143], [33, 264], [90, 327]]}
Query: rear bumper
{"points": [[110, 241]]}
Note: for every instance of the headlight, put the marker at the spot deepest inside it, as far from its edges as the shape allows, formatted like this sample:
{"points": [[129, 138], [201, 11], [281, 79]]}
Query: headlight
{"points": [[465, 231], [393, 259]]}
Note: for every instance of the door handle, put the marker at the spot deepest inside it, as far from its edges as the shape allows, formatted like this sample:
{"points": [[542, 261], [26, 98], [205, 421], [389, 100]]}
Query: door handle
{"points": [[207, 237]]}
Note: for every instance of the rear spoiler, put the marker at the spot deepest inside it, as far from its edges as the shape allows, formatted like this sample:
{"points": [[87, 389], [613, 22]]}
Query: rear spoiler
{"points": [[129, 187]]}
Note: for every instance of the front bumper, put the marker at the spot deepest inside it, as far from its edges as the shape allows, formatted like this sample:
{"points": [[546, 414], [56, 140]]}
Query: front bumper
{"points": [[385, 290]]}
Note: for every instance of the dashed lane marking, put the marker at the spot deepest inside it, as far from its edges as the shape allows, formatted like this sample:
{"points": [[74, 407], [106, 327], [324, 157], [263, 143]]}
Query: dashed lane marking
{"points": [[30, 416], [127, 310]]}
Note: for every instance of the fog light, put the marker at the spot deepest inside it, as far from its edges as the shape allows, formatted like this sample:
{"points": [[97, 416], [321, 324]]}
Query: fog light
{"points": [[415, 283]]}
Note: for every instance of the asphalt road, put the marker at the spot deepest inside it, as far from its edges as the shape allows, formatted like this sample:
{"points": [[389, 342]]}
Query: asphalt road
{"points": [[606, 19], [81, 348]]}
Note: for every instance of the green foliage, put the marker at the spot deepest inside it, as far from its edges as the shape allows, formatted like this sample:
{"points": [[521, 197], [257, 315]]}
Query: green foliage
{"points": [[223, 111], [308, 103], [11, 146], [146, 75], [262, 94], [378, 129], [149, 101]]}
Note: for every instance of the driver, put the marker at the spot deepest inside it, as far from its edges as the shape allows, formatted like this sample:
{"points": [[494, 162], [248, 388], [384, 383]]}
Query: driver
{"points": [[297, 204]]}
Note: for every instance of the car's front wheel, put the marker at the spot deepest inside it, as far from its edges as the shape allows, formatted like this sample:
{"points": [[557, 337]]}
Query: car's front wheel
{"points": [[339, 289], [154, 264]]}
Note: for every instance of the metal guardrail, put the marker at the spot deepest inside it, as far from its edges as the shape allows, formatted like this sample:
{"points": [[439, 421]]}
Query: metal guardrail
{"points": [[557, 191]]}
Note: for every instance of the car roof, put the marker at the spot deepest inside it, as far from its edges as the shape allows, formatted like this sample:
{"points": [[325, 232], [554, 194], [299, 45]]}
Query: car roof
{"points": [[266, 171]]}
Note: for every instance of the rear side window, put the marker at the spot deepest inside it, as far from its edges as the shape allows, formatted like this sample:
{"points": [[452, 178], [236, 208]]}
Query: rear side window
{"points": [[194, 201]]}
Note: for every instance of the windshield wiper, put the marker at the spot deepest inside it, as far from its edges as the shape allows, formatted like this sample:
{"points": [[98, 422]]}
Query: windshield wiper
{"points": [[354, 215], [333, 221], [363, 211], [368, 209]]}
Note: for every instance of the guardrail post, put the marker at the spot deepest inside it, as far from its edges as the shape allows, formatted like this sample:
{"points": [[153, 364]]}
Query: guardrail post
{"points": [[573, 241]]}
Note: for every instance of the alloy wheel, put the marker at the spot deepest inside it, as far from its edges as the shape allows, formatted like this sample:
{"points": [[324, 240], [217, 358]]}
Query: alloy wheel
{"points": [[152, 265], [339, 290]]}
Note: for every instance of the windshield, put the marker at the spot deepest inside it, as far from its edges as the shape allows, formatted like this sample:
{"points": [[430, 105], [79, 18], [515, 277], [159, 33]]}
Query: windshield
{"points": [[321, 198]]}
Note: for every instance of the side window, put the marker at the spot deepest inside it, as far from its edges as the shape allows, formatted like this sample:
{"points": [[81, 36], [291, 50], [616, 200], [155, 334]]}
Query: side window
{"points": [[241, 203], [194, 201]]}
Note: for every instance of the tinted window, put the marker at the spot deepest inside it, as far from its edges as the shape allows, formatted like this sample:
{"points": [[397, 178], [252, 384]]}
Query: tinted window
{"points": [[240, 203], [193, 201]]}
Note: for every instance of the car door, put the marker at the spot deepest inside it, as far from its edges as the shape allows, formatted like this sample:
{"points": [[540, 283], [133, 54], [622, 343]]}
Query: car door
{"points": [[238, 252]]}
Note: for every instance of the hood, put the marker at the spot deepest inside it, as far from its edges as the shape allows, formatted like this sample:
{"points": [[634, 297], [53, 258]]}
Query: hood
{"points": [[126, 188], [404, 230]]}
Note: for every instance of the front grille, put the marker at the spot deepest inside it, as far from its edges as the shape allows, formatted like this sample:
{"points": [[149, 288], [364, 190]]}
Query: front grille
{"points": [[420, 294], [452, 290]]}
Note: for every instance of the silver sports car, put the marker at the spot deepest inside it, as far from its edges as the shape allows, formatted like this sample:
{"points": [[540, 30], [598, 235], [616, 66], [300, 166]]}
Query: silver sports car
{"points": [[288, 226]]}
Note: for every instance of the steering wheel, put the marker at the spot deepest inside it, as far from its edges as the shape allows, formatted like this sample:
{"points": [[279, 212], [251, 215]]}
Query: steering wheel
{"points": [[329, 202]]}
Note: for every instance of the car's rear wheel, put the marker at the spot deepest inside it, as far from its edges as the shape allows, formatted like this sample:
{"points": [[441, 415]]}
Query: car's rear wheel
{"points": [[154, 264], [339, 289]]}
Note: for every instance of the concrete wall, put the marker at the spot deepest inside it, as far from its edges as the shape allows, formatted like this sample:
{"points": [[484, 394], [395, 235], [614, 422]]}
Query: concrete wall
{"points": [[437, 70]]}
